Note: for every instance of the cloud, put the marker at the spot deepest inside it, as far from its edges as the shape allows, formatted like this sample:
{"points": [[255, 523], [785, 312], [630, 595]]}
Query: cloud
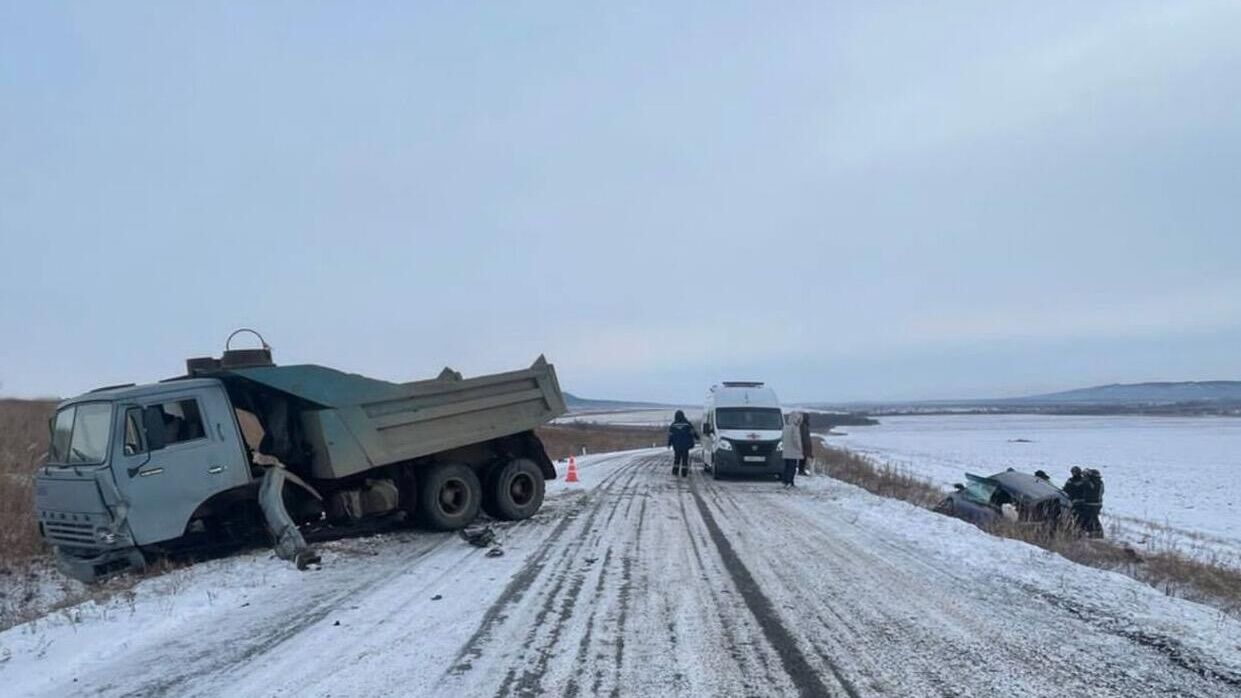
{"points": [[1069, 316], [1120, 62]]}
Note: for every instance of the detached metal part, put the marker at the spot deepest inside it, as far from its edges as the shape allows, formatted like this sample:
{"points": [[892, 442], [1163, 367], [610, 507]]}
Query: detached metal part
{"points": [[288, 541]]}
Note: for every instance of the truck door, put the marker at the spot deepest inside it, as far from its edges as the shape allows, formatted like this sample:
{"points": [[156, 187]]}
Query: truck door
{"points": [[165, 476]]}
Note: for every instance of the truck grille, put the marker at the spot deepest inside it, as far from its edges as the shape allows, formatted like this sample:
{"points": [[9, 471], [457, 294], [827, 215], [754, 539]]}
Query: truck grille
{"points": [[69, 532]]}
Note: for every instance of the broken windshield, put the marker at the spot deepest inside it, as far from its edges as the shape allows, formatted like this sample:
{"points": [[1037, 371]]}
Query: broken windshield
{"points": [[80, 434], [979, 489]]}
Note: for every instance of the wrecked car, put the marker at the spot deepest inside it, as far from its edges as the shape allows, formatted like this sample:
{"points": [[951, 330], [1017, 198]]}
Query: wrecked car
{"points": [[238, 445], [1010, 495]]}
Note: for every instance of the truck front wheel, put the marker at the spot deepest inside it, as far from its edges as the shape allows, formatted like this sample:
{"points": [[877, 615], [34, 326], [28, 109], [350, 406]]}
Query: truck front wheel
{"points": [[449, 496], [515, 491]]}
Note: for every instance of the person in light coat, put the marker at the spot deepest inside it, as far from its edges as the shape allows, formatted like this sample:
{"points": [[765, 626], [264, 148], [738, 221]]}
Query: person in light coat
{"points": [[793, 453]]}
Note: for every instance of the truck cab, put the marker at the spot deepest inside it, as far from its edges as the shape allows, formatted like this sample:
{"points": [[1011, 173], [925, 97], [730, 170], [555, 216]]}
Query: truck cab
{"points": [[741, 430], [168, 446]]}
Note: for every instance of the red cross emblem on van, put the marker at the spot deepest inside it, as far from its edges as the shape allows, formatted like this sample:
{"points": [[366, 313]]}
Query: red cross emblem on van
{"points": [[752, 436]]}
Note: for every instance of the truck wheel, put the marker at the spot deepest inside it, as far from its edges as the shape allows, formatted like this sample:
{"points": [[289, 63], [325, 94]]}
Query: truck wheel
{"points": [[515, 492], [449, 496]]}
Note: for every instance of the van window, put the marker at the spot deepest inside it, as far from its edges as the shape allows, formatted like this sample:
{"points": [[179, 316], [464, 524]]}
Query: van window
{"points": [[768, 418]]}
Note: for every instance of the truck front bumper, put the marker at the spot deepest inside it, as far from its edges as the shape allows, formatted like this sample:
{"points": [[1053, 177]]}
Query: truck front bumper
{"points": [[91, 568], [88, 546]]}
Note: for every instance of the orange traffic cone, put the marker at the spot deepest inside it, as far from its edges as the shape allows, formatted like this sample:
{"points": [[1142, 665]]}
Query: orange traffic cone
{"points": [[571, 474]]}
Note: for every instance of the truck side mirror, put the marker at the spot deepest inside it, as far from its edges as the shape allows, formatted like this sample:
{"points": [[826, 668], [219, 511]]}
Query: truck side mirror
{"points": [[153, 427]]}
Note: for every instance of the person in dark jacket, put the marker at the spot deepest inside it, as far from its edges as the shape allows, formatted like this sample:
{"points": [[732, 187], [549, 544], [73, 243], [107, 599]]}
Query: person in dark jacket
{"points": [[1092, 503], [681, 438], [1075, 488], [807, 444]]}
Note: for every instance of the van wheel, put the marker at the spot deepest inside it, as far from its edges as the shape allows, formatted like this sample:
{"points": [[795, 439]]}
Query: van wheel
{"points": [[514, 492], [449, 496]]}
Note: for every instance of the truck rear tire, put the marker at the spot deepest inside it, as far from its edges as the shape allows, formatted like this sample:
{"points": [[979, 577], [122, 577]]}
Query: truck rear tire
{"points": [[515, 491], [449, 496]]}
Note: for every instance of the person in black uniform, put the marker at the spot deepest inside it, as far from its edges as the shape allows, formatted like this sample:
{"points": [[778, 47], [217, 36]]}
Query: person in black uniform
{"points": [[1075, 488], [1092, 503], [681, 438]]}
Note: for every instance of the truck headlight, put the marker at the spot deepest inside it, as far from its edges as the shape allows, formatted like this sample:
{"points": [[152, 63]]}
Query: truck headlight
{"points": [[105, 536], [779, 445], [725, 445]]}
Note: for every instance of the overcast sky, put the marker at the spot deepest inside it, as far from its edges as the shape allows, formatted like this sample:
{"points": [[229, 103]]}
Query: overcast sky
{"points": [[850, 200]]}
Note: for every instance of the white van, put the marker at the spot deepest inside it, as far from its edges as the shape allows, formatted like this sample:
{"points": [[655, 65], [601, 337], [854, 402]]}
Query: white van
{"points": [[741, 429]]}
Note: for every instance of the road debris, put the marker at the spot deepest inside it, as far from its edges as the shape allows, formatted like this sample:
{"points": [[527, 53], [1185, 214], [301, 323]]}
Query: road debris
{"points": [[478, 536]]}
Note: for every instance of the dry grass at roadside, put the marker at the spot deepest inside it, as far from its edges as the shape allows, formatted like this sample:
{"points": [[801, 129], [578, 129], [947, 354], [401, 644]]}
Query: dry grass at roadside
{"points": [[23, 441], [1169, 570], [563, 440], [877, 478]]}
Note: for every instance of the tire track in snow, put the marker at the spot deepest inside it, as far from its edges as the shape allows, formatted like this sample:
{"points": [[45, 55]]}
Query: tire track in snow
{"points": [[521, 581], [547, 572], [710, 645], [803, 675], [902, 619], [700, 541], [832, 623], [530, 681], [920, 619]]}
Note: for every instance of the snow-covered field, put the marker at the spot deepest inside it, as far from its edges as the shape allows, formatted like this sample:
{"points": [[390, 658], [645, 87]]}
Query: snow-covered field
{"points": [[1170, 480], [635, 583], [638, 418]]}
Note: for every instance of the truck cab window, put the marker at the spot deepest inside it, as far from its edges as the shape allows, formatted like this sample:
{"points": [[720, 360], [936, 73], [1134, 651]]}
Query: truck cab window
{"points": [[80, 434], [91, 427], [182, 421], [133, 431], [62, 430]]}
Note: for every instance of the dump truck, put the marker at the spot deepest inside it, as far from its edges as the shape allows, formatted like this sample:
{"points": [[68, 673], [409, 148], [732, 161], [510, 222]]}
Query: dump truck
{"points": [[239, 445]]}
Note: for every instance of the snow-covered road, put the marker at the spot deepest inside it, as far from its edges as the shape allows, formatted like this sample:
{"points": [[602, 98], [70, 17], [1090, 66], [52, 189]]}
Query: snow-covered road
{"points": [[637, 583]]}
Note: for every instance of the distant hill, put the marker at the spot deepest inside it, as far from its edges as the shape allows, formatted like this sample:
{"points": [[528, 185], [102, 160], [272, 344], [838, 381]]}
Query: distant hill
{"points": [[1163, 393], [581, 404], [1164, 398]]}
